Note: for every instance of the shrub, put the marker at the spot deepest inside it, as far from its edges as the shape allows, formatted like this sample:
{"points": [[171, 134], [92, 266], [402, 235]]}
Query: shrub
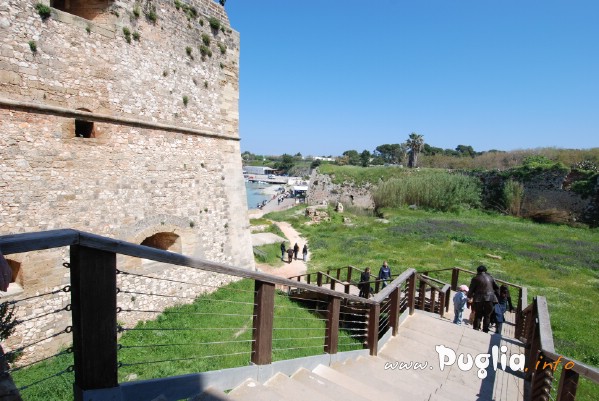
{"points": [[136, 11], [136, 36], [185, 100], [151, 15], [33, 46], [439, 191], [205, 51], [43, 11], [127, 33], [222, 47], [206, 39], [214, 23], [513, 194], [188, 50]]}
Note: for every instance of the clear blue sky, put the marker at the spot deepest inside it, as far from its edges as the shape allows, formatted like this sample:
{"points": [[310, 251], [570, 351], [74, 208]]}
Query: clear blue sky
{"points": [[320, 77]]}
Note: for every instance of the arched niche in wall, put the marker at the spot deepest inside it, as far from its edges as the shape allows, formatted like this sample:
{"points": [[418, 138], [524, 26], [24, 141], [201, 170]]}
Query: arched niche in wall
{"points": [[165, 241], [88, 9], [15, 286]]}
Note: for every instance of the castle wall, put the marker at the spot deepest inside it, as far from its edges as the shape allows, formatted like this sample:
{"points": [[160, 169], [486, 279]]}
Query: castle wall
{"points": [[163, 155]]}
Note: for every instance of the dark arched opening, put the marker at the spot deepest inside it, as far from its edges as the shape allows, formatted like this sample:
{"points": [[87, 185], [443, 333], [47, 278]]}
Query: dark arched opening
{"points": [[164, 241], [82, 8], [83, 128]]}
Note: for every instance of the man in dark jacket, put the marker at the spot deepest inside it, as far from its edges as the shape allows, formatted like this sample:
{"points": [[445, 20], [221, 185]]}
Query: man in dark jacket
{"points": [[482, 291]]}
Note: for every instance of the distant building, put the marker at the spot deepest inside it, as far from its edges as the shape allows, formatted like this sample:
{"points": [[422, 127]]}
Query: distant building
{"points": [[260, 170]]}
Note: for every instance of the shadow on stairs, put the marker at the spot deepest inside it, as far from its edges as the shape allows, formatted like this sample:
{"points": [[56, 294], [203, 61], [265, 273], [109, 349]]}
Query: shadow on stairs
{"points": [[407, 367]]}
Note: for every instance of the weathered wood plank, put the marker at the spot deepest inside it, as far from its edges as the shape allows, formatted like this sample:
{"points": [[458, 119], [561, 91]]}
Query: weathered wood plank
{"points": [[393, 285], [93, 300], [373, 328], [545, 332], [27, 242], [264, 304], [332, 335]]}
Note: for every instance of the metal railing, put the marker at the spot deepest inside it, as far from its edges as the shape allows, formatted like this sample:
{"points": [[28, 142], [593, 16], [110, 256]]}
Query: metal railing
{"points": [[96, 304]]}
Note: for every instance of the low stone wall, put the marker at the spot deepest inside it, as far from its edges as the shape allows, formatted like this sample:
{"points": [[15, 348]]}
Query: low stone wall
{"points": [[45, 316], [322, 190]]}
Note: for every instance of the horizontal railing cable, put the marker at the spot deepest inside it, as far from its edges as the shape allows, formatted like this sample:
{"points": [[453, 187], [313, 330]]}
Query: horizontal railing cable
{"points": [[295, 348], [70, 369], [68, 329], [301, 338], [301, 318], [123, 310], [65, 309], [66, 288], [122, 346], [123, 329], [119, 291], [64, 352], [123, 364], [307, 300], [183, 282]]}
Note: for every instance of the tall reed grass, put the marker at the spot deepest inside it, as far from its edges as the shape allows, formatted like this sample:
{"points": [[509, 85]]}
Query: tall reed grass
{"points": [[439, 191]]}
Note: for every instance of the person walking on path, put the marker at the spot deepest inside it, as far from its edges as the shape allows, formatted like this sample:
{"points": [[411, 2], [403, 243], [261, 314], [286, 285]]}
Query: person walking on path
{"points": [[305, 252], [290, 255], [482, 291], [365, 283], [385, 274], [460, 299], [295, 250], [283, 249]]}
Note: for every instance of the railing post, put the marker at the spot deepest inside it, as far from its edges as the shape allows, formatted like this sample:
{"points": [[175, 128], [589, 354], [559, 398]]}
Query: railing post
{"points": [[441, 303], [421, 294], [332, 332], [455, 275], [541, 379], [568, 383], [347, 288], [339, 274], [319, 279], [308, 278], [377, 285], [373, 328], [433, 296], [394, 311], [333, 282], [412, 293], [350, 270], [520, 329], [93, 308], [264, 304]]}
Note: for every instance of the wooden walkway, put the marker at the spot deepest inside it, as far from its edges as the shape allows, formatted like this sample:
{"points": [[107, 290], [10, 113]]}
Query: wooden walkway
{"points": [[380, 377]]}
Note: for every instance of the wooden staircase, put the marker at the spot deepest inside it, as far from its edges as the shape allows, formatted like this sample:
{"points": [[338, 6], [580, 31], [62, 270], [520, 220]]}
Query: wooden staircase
{"points": [[374, 378]]}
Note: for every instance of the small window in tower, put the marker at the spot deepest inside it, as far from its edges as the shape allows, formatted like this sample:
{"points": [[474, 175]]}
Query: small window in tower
{"points": [[87, 9], [84, 129]]}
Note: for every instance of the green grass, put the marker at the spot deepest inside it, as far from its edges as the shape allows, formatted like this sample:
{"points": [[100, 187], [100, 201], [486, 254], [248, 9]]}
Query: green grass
{"points": [[558, 262], [153, 349]]}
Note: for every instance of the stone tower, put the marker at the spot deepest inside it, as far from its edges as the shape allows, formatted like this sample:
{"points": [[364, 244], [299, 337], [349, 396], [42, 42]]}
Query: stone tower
{"points": [[120, 118]]}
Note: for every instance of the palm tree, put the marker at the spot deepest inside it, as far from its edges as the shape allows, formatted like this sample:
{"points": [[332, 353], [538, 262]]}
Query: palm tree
{"points": [[415, 144]]}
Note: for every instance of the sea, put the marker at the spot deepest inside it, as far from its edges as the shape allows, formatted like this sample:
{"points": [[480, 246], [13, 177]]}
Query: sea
{"points": [[255, 194]]}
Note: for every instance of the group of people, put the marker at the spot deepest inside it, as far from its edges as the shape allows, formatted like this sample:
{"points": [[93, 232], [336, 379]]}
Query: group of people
{"points": [[384, 276], [487, 300], [293, 252]]}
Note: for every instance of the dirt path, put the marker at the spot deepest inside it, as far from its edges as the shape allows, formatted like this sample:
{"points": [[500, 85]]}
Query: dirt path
{"points": [[296, 267]]}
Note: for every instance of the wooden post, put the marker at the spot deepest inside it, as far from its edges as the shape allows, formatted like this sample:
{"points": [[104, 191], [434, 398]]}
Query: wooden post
{"points": [[412, 293], [347, 288], [455, 274], [93, 303], [264, 304], [441, 304], [541, 379], [339, 274], [319, 279], [373, 328], [568, 383], [421, 294], [394, 311], [332, 339], [377, 285], [333, 281], [350, 270], [308, 278], [433, 296]]}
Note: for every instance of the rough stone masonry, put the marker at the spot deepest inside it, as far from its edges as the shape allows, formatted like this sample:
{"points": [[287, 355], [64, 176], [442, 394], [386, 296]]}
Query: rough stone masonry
{"points": [[119, 118]]}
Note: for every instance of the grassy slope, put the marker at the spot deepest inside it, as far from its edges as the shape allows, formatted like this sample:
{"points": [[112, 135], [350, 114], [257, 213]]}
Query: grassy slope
{"points": [[149, 353], [559, 262]]}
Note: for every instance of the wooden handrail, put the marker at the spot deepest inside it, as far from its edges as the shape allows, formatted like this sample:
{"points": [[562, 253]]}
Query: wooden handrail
{"points": [[18, 243], [543, 360]]}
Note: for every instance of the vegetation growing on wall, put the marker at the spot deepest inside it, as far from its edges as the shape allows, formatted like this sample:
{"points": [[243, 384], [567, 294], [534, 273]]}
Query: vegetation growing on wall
{"points": [[43, 11]]}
